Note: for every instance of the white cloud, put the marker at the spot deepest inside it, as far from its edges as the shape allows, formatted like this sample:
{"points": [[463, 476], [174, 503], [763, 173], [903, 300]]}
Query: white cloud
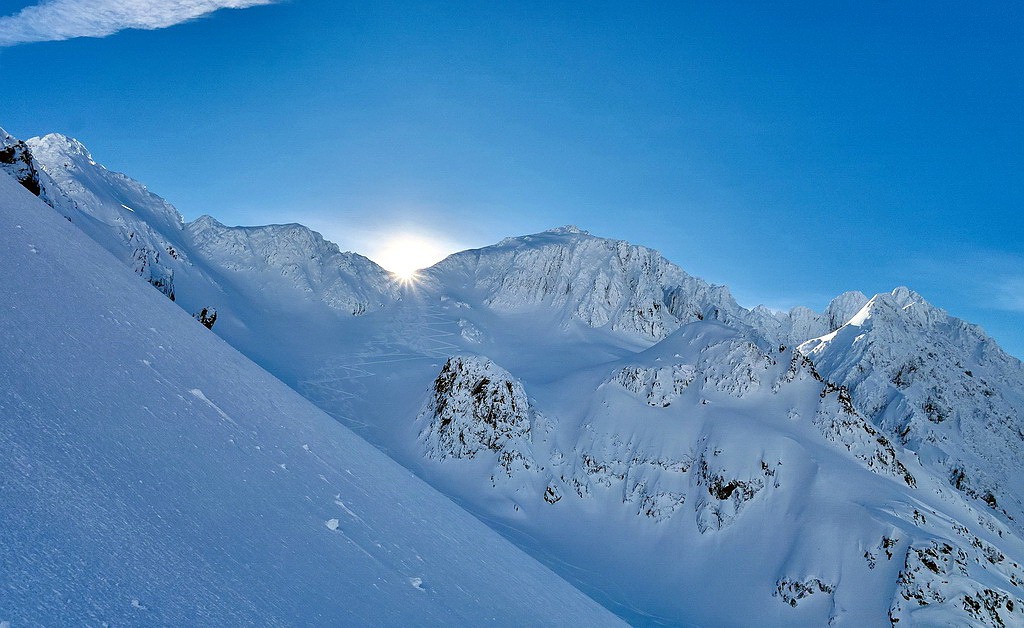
{"points": [[1010, 293], [987, 279], [54, 20]]}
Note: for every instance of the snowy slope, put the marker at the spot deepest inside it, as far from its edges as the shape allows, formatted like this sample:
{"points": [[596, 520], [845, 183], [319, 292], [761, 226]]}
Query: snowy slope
{"points": [[680, 458], [151, 475]]}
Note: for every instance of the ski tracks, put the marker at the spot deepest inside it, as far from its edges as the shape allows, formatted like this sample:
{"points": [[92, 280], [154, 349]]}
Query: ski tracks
{"points": [[421, 331]]}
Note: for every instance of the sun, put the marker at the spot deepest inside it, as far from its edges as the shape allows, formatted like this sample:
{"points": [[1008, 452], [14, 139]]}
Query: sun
{"points": [[405, 254]]}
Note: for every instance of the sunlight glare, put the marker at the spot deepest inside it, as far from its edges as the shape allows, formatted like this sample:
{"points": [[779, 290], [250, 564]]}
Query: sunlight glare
{"points": [[405, 254]]}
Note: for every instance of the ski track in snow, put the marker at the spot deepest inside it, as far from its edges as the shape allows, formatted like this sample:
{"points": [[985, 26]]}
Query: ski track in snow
{"points": [[332, 385]]}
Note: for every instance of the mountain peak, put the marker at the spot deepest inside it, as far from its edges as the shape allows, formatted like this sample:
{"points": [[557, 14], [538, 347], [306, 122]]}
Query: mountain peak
{"points": [[568, 230], [53, 144], [902, 304], [204, 222], [844, 307], [906, 296]]}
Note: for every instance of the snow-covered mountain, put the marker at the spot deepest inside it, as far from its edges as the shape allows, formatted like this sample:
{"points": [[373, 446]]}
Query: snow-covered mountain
{"points": [[603, 283], [152, 475], [289, 257], [680, 458], [940, 386]]}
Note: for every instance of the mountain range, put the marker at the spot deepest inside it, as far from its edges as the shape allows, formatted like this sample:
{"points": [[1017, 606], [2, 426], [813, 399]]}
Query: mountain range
{"points": [[676, 457]]}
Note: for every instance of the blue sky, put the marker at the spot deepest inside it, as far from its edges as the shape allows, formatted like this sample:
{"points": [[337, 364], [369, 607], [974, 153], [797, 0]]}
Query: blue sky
{"points": [[791, 151]]}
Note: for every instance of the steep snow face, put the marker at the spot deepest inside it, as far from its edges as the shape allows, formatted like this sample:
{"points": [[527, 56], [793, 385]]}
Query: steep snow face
{"points": [[295, 258], [106, 196], [138, 227], [152, 475], [940, 386], [603, 283]]}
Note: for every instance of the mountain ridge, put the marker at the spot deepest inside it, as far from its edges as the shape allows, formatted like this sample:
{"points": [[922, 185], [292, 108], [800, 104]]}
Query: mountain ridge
{"points": [[562, 381]]}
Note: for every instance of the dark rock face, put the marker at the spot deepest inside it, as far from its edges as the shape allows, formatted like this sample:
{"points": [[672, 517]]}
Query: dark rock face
{"points": [[207, 316], [792, 591], [941, 573], [476, 408], [16, 160], [146, 264]]}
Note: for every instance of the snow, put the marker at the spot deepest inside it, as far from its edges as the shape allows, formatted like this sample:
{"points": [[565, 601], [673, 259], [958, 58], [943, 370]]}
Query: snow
{"points": [[137, 492], [679, 458], [291, 256]]}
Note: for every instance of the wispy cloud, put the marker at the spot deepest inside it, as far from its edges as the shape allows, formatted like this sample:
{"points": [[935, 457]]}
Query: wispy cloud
{"points": [[54, 20], [988, 279], [1010, 293]]}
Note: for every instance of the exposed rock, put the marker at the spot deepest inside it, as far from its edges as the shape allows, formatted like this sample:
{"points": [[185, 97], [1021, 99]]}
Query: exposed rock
{"points": [[658, 387], [16, 160], [791, 591], [146, 264], [207, 316], [476, 407], [726, 491], [938, 573]]}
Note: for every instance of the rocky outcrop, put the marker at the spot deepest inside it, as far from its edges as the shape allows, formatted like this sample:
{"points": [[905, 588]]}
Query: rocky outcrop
{"points": [[654, 487], [937, 580], [734, 366], [16, 160], [726, 488], [792, 591], [207, 317], [476, 408], [146, 264], [657, 386]]}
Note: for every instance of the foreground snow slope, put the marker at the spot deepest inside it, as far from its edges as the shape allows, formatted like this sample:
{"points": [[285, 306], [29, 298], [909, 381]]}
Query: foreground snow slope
{"points": [[152, 475]]}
